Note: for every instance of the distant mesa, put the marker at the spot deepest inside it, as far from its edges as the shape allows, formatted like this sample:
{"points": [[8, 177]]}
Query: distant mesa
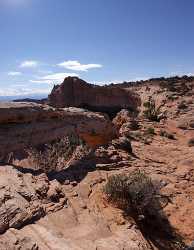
{"points": [[39, 101]]}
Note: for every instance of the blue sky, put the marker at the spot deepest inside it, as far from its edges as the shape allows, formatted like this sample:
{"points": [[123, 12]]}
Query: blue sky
{"points": [[42, 41]]}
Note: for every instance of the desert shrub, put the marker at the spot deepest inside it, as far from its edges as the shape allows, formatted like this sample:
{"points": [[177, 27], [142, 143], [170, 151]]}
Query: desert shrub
{"points": [[140, 198], [150, 131], [166, 134], [191, 142], [145, 137], [152, 112], [123, 143], [134, 124], [182, 105], [54, 156], [172, 97], [133, 191]]}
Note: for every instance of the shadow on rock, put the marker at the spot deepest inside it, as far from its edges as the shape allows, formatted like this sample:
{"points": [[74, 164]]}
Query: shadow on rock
{"points": [[156, 228], [75, 172]]}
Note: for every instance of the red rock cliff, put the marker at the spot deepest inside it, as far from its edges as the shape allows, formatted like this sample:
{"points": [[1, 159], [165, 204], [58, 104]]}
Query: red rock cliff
{"points": [[74, 92]]}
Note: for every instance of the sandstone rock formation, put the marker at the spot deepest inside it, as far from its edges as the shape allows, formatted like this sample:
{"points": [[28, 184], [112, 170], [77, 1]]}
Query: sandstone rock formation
{"points": [[74, 92], [68, 209], [25, 124]]}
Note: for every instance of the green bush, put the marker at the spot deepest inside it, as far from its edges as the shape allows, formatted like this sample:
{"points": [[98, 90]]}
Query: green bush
{"points": [[152, 112], [133, 191]]}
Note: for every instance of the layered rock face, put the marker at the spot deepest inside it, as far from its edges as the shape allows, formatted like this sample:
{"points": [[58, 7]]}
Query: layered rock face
{"points": [[74, 92], [25, 124]]}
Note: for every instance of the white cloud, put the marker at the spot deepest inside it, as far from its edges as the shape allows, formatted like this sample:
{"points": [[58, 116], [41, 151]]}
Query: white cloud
{"points": [[53, 78], [136, 79], [41, 81], [121, 81], [76, 65], [14, 73], [30, 88], [171, 74], [58, 77], [24, 91], [29, 64], [43, 72]]}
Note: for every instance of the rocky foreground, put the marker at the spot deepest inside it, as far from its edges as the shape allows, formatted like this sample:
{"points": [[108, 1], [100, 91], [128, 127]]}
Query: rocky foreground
{"points": [[68, 210]]}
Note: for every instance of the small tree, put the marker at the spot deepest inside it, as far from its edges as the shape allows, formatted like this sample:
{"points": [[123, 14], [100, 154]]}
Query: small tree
{"points": [[152, 112]]}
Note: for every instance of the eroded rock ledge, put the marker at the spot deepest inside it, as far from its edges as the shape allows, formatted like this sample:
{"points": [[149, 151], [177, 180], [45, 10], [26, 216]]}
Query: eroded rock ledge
{"points": [[24, 124]]}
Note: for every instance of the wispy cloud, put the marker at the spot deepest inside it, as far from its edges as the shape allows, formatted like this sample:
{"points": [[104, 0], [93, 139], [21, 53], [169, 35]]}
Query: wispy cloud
{"points": [[180, 73], [14, 73], [53, 78], [59, 76], [116, 81], [77, 66], [24, 91], [29, 64], [41, 81], [44, 71]]}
